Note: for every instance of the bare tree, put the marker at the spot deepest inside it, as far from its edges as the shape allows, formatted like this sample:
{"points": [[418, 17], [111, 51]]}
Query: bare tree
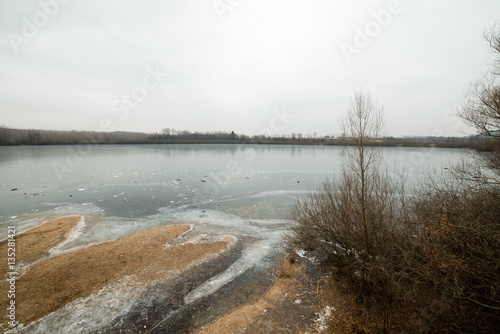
{"points": [[458, 220], [492, 36], [481, 110], [482, 106], [354, 221], [435, 255], [364, 122]]}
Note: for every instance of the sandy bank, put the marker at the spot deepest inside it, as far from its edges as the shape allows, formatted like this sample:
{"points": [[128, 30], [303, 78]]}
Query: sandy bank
{"points": [[141, 257], [36, 242]]}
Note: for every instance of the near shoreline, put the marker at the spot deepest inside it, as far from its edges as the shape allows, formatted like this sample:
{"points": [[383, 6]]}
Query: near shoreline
{"points": [[48, 282]]}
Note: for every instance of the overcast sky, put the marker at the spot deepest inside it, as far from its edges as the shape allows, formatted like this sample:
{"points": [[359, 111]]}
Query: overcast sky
{"points": [[239, 65]]}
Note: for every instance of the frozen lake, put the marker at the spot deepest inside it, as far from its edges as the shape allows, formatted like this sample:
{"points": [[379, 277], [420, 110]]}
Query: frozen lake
{"points": [[245, 191], [134, 182], [241, 189]]}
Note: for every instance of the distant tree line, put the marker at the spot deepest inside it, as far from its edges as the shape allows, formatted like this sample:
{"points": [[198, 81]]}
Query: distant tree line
{"points": [[10, 136]]}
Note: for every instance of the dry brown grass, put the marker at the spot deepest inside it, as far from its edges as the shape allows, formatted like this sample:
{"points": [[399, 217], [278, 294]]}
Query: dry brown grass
{"points": [[288, 268]]}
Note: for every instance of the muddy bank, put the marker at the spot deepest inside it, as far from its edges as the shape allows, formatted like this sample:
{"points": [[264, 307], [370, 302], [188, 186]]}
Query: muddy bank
{"points": [[243, 316], [161, 307]]}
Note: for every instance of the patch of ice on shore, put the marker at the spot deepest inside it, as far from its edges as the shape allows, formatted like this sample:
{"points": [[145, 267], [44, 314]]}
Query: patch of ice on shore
{"points": [[89, 314], [75, 233], [199, 239], [251, 256]]}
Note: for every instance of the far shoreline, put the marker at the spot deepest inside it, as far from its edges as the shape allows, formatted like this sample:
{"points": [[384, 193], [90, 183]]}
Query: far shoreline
{"points": [[35, 137], [469, 144]]}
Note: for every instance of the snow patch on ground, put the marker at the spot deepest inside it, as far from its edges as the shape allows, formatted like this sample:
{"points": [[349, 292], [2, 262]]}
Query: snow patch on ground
{"points": [[302, 253], [321, 323]]}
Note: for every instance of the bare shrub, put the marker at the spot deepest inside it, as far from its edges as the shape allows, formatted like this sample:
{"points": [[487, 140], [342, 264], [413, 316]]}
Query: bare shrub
{"points": [[355, 222], [453, 266]]}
